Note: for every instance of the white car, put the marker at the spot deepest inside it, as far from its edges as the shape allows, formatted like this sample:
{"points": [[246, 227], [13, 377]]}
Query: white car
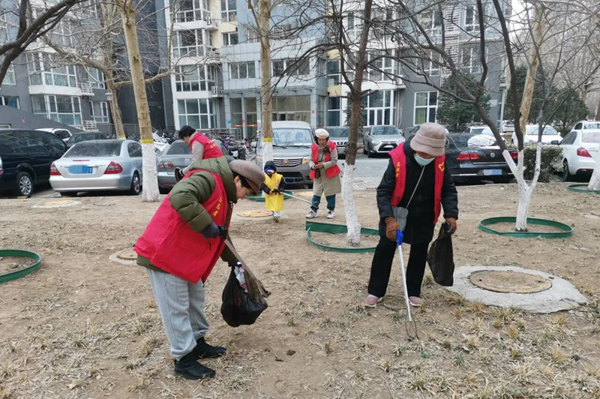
{"points": [[580, 151], [549, 135], [476, 129], [63, 134]]}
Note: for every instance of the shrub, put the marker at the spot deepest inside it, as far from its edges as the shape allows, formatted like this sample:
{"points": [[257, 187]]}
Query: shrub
{"points": [[551, 154]]}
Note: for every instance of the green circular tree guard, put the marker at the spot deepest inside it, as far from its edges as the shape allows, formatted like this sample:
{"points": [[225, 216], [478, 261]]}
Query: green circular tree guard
{"points": [[17, 253], [259, 198], [318, 227], [581, 188], [565, 230]]}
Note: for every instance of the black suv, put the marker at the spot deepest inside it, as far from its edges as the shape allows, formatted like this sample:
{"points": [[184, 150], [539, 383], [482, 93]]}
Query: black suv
{"points": [[25, 159]]}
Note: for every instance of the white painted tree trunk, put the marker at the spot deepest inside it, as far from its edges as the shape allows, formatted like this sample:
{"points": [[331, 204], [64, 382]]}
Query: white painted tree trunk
{"points": [[267, 151], [525, 189], [150, 192], [595, 179], [352, 222]]}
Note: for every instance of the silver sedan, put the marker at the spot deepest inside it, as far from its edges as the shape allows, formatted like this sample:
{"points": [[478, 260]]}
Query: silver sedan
{"points": [[99, 165]]}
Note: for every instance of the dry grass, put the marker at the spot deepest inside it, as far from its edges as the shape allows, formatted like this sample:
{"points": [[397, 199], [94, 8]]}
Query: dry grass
{"points": [[92, 328]]}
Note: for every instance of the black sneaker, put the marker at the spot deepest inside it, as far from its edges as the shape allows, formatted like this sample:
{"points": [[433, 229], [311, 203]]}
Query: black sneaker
{"points": [[206, 351], [189, 368]]}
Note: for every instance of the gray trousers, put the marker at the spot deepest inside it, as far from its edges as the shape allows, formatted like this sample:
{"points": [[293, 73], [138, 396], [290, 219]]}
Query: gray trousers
{"points": [[181, 306]]}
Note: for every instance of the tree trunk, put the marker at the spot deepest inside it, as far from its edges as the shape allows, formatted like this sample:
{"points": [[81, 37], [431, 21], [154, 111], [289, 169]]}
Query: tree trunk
{"points": [[150, 180], [598, 111], [595, 179], [114, 108], [523, 208], [533, 67], [266, 92]]}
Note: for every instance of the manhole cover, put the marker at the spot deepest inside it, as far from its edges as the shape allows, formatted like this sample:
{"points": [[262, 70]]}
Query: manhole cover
{"points": [[127, 254], [509, 282], [57, 204], [255, 214]]}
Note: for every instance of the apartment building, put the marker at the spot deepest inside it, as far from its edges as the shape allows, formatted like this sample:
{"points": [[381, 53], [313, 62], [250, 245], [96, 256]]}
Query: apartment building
{"points": [[41, 83]]}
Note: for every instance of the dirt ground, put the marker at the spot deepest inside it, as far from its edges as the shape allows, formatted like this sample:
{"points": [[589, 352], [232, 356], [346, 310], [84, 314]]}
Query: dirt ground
{"points": [[83, 327]]}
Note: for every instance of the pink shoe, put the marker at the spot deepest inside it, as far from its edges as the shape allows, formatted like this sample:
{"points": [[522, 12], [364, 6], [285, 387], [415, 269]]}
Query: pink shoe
{"points": [[372, 301], [415, 301]]}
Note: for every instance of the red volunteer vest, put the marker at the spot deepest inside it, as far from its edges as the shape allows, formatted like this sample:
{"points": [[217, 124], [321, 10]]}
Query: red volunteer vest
{"points": [[331, 172], [174, 247], [211, 149], [399, 161]]}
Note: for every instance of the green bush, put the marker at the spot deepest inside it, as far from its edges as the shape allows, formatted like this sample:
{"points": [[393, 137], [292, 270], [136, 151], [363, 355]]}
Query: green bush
{"points": [[551, 154]]}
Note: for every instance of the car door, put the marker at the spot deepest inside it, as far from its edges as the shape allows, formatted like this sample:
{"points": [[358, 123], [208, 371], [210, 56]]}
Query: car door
{"points": [[135, 155]]}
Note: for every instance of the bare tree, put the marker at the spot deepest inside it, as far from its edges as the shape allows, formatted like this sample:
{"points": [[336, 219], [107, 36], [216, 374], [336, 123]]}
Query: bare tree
{"points": [[30, 24]]}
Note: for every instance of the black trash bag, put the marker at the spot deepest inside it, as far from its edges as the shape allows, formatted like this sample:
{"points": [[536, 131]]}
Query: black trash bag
{"points": [[239, 308], [441, 257]]}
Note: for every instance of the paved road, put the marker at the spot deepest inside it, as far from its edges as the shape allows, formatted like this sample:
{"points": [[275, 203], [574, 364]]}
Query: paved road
{"points": [[369, 171]]}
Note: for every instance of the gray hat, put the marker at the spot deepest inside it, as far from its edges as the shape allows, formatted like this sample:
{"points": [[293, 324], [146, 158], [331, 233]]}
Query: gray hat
{"points": [[430, 139], [250, 171]]}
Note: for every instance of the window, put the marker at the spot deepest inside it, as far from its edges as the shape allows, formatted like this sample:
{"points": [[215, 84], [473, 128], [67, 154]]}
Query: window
{"points": [[380, 67], [198, 113], [237, 116], [230, 39], [193, 10], [228, 10], [134, 150], [334, 76], [252, 36], [471, 62], [10, 101], [292, 108], [334, 111], [432, 21], [353, 27], [378, 108], [194, 78], [63, 109], [96, 78], [578, 126], [242, 70], [9, 79], [569, 138], [188, 43], [425, 107], [281, 32], [432, 67], [62, 134], [99, 111], [296, 67], [63, 33], [42, 72]]}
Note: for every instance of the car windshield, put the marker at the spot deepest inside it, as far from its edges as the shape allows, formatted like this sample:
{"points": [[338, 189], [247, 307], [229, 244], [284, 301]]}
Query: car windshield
{"points": [[548, 131], [292, 137], [477, 130], [588, 125], [178, 148], [81, 137], [509, 124], [337, 133], [590, 137], [384, 131], [95, 149]]}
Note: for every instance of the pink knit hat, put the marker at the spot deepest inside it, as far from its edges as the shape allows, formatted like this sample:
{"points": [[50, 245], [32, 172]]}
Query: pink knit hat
{"points": [[430, 139]]}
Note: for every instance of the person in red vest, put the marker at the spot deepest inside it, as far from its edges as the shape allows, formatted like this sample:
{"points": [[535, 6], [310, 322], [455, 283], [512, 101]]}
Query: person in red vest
{"points": [[182, 244], [325, 172], [416, 179], [202, 148]]}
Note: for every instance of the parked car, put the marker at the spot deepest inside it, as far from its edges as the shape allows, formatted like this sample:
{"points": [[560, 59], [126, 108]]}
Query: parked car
{"points": [[25, 159], [549, 135], [580, 148], [507, 127], [339, 135], [99, 165], [470, 158], [382, 140], [292, 141], [476, 129], [585, 125], [176, 155], [86, 136], [63, 134]]}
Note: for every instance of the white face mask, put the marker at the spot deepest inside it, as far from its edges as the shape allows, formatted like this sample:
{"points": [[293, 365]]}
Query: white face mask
{"points": [[423, 161]]}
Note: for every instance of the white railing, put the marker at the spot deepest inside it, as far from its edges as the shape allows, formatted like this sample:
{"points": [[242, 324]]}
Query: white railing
{"points": [[217, 91], [90, 125], [86, 89]]}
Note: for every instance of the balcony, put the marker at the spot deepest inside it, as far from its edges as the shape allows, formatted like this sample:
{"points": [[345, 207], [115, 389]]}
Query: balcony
{"points": [[90, 125]]}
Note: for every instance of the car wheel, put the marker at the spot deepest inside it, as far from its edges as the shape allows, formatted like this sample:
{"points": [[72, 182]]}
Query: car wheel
{"points": [[136, 185], [163, 190], [567, 176], [68, 194], [370, 154], [24, 184], [365, 150]]}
